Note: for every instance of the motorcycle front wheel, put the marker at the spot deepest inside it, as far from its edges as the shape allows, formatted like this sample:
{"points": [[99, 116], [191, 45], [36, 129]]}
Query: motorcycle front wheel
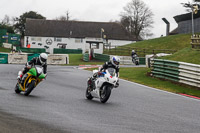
{"points": [[105, 94], [17, 89], [30, 88], [88, 94]]}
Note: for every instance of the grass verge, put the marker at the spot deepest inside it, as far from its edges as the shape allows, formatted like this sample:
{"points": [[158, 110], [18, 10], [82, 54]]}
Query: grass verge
{"points": [[5, 50], [188, 55], [76, 59]]}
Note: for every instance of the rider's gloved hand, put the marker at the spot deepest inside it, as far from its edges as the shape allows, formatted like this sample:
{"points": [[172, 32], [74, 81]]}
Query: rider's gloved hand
{"points": [[100, 73]]}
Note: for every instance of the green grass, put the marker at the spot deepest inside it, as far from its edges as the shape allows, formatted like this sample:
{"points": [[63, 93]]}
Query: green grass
{"points": [[76, 59], [170, 42], [139, 75], [4, 50], [188, 55], [167, 44]]}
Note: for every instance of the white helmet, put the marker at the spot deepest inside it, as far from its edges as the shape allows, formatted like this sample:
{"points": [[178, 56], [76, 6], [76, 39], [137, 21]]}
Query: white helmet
{"points": [[43, 58], [115, 60], [133, 51]]}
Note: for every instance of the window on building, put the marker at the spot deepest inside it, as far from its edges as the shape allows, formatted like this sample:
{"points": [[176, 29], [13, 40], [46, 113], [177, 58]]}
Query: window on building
{"points": [[78, 40], [38, 39], [95, 46], [33, 39], [56, 39]]}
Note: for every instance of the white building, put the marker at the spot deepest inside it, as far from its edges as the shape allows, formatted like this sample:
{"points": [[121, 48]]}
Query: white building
{"points": [[50, 34]]}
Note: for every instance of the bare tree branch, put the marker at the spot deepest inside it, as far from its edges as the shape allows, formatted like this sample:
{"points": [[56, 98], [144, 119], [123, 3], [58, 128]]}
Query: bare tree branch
{"points": [[137, 17]]}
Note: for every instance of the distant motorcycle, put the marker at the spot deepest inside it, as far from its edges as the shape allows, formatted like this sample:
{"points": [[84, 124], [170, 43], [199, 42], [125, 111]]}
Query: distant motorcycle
{"points": [[101, 86], [135, 59], [33, 77]]}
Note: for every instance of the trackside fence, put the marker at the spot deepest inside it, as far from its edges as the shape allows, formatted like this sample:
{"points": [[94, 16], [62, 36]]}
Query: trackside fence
{"points": [[102, 57], [181, 72], [3, 58], [31, 50], [86, 57], [67, 51], [123, 59], [22, 58]]}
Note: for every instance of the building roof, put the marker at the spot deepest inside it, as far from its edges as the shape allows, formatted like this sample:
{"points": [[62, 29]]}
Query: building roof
{"points": [[174, 32], [187, 16], [76, 29]]}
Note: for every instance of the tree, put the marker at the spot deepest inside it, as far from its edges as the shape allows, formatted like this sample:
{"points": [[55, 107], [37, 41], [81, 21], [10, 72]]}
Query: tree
{"points": [[7, 27], [6, 20], [21, 21], [5, 24], [137, 18], [64, 18]]}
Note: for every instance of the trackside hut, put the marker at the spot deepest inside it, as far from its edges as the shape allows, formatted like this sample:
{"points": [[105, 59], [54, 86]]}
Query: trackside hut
{"points": [[50, 34]]}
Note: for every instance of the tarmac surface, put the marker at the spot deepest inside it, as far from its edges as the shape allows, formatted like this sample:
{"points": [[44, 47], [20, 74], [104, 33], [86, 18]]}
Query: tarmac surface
{"points": [[59, 105]]}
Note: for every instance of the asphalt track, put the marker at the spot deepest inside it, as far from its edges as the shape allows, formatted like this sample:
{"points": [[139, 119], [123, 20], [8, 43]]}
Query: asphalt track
{"points": [[59, 105]]}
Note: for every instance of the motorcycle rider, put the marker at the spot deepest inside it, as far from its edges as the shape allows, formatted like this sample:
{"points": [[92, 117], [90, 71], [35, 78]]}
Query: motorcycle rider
{"points": [[133, 53], [41, 61], [113, 63]]}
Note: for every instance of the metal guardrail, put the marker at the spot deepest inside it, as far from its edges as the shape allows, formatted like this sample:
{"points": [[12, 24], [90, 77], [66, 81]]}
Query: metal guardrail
{"points": [[67, 51], [86, 57], [102, 57], [181, 72], [31, 50]]}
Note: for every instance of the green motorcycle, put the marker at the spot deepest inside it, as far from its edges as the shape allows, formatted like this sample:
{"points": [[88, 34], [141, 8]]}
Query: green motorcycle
{"points": [[33, 77]]}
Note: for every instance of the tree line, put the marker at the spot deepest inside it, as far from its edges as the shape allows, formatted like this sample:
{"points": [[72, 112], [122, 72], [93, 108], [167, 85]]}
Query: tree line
{"points": [[136, 17]]}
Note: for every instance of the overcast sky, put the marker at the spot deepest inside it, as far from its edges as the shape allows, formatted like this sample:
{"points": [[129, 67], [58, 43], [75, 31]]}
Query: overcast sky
{"points": [[94, 10]]}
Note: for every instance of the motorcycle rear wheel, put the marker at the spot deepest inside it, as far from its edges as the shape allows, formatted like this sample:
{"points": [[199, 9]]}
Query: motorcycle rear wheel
{"points": [[17, 89], [88, 94], [30, 88], [137, 63], [105, 94]]}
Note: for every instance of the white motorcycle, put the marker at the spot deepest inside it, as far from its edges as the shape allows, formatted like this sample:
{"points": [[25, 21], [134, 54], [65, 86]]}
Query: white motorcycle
{"points": [[102, 85], [135, 59]]}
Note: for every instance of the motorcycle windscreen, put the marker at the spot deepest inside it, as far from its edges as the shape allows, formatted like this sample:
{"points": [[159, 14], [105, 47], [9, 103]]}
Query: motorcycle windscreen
{"points": [[40, 72], [112, 71]]}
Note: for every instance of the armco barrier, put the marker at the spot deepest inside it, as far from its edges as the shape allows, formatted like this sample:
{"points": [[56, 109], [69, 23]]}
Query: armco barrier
{"points": [[31, 56], [101, 57], [55, 59], [186, 73], [3, 58], [67, 51], [142, 60], [17, 58], [32, 50], [86, 57]]}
